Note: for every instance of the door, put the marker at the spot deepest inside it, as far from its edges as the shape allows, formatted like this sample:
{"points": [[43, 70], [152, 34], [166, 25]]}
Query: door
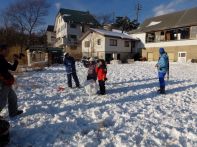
{"points": [[182, 56], [150, 56]]}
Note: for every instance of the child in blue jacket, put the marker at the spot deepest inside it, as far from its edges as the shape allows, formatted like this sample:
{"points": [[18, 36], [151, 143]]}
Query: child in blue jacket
{"points": [[163, 68]]}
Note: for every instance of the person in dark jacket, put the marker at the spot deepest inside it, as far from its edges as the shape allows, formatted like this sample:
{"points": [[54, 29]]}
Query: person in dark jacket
{"points": [[7, 94], [69, 63], [101, 71], [163, 68], [91, 65]]}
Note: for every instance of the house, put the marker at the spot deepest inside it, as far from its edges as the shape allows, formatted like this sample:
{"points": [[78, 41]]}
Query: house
{"points": [[42, 56], [107, 45], [176, 32], [51, 36], [70, 25]]}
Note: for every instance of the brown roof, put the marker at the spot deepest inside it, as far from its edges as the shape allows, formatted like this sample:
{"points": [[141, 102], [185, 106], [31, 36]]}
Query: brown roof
{"points": [[169, 21]]}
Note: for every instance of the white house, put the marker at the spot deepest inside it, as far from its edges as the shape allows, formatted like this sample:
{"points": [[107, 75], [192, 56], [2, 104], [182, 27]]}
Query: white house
{"points": [[107, 45], [51, 36], [176, 32], [70, 25]]}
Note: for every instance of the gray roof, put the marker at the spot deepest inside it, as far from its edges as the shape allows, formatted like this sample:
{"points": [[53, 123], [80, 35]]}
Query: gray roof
{"points": [[169, 21], [113, 34]]}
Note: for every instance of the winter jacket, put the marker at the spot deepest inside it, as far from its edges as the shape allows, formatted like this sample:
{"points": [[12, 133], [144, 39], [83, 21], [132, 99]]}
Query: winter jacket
{"points": [[101, 73], [163, 63], [91, 68], [5, 76], [69, 63]]}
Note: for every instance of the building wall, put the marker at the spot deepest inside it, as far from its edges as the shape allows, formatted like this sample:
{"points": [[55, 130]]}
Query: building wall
{"points": [[141, 43], [173, 51], [51, 38], [172, 47], [74, 51], [94, 49], [119, 48], [104, 48]]}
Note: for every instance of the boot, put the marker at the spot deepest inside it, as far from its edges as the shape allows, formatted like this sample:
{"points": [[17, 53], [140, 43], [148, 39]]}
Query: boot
{"points": [[163, 91], [159, 90], [19, 112]]}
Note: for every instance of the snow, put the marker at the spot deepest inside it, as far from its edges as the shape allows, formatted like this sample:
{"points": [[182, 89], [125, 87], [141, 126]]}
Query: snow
{"points": [[115, 34], [131, 114]]}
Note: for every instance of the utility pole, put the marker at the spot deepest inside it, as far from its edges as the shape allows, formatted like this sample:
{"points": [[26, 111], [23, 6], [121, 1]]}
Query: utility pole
{"points": [[113, 13], [138, 9]]}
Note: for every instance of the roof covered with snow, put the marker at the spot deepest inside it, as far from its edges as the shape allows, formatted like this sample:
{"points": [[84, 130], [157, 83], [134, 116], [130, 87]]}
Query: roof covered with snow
{"points": [[183, 18], [107, 33]]}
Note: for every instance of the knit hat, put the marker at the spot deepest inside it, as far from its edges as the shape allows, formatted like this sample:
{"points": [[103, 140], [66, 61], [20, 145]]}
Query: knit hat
{"points": [[161, 50]]}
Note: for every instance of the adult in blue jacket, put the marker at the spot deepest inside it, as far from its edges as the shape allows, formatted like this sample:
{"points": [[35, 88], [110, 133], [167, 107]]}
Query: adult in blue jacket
{"points": [[69, 63], [163, 69]]}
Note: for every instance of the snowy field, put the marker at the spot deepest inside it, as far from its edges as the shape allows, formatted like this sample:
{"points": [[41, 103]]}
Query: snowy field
{"points": [[131, 114]]}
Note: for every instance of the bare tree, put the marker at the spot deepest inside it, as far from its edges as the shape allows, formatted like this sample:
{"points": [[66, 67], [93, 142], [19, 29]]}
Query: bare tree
{"points": [[104, 18], [27, 16]]}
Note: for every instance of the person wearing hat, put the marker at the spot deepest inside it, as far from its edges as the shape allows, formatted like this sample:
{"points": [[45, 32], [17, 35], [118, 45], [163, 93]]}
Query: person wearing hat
{"points": [[163, 68], [7, 94], [69, 63], [91, 65]]}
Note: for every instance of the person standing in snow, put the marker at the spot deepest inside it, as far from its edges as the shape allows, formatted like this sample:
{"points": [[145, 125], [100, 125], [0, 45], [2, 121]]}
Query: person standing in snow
{"points": [[163, 68], [91, 65], [101, 71], [69, 63], [7, 94]]}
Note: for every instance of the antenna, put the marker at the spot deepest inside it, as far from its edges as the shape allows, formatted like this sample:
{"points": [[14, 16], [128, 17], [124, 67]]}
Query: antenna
{"points": [[138, 9]]}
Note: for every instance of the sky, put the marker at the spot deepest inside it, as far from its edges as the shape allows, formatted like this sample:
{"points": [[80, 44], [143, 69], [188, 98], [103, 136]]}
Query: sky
{"points": [[150, 8]]}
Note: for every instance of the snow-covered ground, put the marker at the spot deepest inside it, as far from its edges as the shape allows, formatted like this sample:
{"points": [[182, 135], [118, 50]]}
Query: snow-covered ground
{"points": [[131, 114]]}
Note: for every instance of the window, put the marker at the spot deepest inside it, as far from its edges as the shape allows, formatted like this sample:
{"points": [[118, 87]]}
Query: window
{"points": [[126, 43], [87, 43], [113, 42], [162, 33], [99, 42], [150, 37], [72, 25], [185, 33]]}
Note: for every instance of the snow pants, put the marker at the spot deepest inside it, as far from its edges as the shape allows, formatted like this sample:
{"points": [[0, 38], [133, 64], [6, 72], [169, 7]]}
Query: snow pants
{"points": [[102, 86], [74, 76], [7, 94], [162, 79]]}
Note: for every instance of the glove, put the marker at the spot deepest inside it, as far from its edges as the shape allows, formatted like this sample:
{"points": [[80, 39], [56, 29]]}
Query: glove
{"points": [[105, 79]]}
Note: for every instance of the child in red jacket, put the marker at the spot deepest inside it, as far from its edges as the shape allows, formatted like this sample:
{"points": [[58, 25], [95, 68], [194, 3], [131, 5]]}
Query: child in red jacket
{"points": [[101, 71]]}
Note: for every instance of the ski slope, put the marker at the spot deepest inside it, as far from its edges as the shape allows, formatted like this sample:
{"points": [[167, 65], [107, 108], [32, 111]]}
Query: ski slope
{"points": [[131, 114]]}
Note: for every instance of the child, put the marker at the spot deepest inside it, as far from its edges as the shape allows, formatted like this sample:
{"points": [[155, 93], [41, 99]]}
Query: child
{"points": [[91, 65], [101, 71], [163, 68]]}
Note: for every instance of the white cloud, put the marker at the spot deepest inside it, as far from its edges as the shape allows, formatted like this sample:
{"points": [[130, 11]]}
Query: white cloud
{"points": [[168, 8], [58, 5]]}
